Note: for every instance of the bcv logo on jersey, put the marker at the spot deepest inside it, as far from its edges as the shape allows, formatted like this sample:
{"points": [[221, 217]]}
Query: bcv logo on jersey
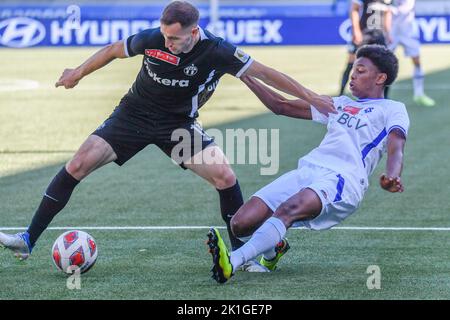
{"points": [[349, 118], [351, 121], [21, 32]]}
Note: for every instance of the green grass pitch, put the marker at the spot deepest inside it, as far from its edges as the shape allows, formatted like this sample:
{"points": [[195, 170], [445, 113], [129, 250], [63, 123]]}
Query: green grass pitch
{"points": [[41, 128]]}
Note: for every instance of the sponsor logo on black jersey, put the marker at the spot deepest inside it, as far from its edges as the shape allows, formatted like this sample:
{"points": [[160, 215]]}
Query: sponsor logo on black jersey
{"points": [[162, 55], [190, 70], [167, 82]]}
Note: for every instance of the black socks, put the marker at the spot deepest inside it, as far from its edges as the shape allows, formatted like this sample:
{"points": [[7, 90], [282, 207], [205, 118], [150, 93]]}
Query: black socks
{"points": [[55, 199], [230, 201]]}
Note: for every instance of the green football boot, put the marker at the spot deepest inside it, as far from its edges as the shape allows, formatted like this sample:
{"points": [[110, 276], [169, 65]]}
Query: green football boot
{"points": [[424, 101], [281, 248], [222, 269]]}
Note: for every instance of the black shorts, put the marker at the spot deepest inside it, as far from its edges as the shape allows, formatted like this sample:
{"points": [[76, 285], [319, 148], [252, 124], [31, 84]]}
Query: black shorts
{"points": [[129, 129], [370, 36]]}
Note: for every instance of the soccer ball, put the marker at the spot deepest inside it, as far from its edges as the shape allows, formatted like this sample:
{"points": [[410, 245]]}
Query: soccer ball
{"points": [[74, 249]]}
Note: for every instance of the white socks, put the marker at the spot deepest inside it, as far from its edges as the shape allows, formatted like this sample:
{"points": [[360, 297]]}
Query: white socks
{"points": [[263, 240], [418, 80]]}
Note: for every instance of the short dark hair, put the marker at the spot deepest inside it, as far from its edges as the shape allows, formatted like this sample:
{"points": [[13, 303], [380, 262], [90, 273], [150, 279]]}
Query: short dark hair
{"points": [[181, 12], [382, 58]]}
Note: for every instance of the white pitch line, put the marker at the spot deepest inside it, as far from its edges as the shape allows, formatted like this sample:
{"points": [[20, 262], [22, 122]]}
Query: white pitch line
{"points": [[395, 228], [119, 228], [130, 228], [18, 84]]}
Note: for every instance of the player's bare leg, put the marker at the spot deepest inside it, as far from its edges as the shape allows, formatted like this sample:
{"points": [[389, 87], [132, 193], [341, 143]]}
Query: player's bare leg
{"points": [[305, 205], [93, 153], [250, 217], [220, 174]]}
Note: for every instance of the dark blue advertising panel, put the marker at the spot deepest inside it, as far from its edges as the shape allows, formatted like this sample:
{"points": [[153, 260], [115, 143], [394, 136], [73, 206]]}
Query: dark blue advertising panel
{"points": [[97, 25]]}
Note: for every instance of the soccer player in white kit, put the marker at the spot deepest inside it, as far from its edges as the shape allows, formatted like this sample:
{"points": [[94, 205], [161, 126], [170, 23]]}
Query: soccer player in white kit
{"points": [[330, 181], [404, 33]]}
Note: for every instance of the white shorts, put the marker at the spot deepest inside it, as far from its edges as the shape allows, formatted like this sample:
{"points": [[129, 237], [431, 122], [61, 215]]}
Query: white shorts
{"points": [[408, 41], [338, 195]]}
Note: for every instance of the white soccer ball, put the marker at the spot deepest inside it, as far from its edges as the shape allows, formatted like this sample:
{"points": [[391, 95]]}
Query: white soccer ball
{"points": [[74, 249]]}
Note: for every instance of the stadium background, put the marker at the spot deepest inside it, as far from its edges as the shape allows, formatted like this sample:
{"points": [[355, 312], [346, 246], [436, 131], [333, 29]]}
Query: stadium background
{"points": [[40, 127]]}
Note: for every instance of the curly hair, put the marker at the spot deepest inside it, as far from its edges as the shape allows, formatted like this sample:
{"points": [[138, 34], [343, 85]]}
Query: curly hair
{"points": [[382, 58]]}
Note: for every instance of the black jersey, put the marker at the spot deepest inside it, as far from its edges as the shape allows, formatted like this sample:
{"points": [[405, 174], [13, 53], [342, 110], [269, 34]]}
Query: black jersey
{"points": [[181, 84], [373, 13]]}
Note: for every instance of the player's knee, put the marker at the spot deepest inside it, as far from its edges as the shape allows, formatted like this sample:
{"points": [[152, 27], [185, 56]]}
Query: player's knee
{"points": [[225, 178], [76, 167], [79, 166], [92, 153], [239, 226], [234, 224]]}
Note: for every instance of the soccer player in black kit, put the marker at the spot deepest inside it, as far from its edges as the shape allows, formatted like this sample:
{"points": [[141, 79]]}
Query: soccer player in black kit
{"points": [[371, 24], [182, 65]]}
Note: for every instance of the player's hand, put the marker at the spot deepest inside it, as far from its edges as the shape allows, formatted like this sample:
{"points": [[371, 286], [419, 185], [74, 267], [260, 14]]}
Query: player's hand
{"points": [[324, 104], [69, 79], [391, 184]]}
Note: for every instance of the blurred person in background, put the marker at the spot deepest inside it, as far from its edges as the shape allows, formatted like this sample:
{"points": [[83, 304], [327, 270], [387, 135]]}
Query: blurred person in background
{"points": [[371, 23], [404, 33]]}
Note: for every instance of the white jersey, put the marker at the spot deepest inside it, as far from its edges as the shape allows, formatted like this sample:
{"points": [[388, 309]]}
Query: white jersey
{"points": [[356, 136], [403, 16], [405, 31]]}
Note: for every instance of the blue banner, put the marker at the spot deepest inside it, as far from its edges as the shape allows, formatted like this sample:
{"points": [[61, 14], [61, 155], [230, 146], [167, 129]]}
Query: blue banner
{"points": [[97, 25]]}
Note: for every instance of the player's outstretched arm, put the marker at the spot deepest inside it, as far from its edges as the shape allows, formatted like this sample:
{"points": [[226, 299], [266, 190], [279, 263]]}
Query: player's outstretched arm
{"points": [[391, 180], [276, 102], [357, 36], [101, 58], [284, 83], [388, 25]]}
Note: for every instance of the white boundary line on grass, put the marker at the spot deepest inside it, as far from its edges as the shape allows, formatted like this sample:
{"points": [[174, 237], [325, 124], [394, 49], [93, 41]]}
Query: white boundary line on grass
{"points": [[8, 85], [130, 228]]}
